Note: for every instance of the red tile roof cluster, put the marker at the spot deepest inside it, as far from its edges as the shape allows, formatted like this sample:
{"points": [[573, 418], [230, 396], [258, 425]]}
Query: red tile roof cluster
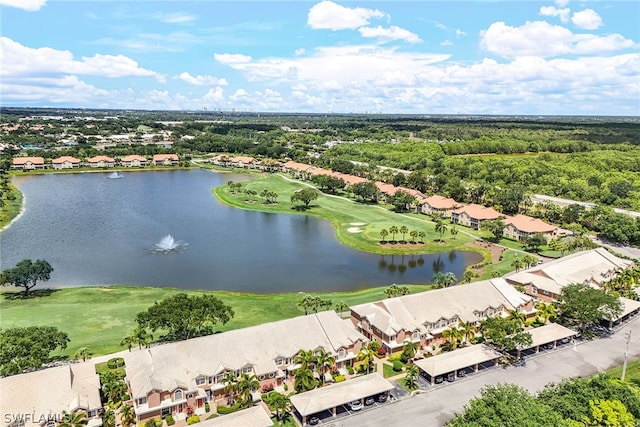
{"points": [[97, 159], [479, 212], [25, 160], [440, 202], [65, 159], [528, 224], [162, 157]]}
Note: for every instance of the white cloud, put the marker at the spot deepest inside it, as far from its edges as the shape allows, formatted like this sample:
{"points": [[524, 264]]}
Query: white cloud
{"points": [[387, 34], [215, 95], [562, 13], [28, 5], [328, 15], [231, 58], [153, 42], [239, 95], [175, 18], [19, 60], [460, 33], [562, 3], [300, 51], [540, 38], [446, 43], [587, 19], [202, 80]]}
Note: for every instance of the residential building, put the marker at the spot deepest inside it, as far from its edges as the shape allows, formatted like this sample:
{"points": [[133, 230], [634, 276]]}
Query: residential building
{"points": [[133, 160], [592, 267], [472, 215], [520, 226], [41, 398], [165, 160], [242, 162], [101, 162], [65, 162], [422, 317], [28, 163], [179, 377], [435, 204]]}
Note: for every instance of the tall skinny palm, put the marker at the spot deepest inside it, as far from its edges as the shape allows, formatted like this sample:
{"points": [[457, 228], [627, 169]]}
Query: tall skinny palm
{"points": [[403, 230], [468, 331], [247, 384], [393, 230], [413, 234], [453, 336], [453, 231], [307, 359], [411, 379], [325, 362], [127, 416], [517, 317], [441, 227], [421, 235], [230, 381], [365, 356]]}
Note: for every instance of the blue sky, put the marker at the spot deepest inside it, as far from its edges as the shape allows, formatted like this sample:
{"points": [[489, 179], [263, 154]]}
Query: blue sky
{"points": [[426, 57]]}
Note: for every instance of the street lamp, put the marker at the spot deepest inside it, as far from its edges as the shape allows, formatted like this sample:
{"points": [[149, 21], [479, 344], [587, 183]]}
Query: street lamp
{"points": [[626, 353]]}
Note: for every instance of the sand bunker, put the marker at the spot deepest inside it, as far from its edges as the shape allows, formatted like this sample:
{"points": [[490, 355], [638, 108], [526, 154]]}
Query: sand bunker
{"points": [[354, 230], [357, 223]]}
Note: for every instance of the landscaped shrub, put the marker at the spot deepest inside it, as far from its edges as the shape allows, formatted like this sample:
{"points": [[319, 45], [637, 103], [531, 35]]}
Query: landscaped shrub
{"points": [[207, 408], [395, 357], [397, 365], [339, 378], [158, 422], [170, 421], [382, 351], [286, 387], [115, 363], [228, 409], [350, 369], [193, 419], [150, 423]]}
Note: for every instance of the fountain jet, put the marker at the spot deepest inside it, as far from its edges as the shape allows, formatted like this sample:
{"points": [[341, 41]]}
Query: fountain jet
{"points": [[168, 244]]}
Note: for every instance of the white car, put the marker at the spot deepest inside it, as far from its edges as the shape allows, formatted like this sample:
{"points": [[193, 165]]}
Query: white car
{"points": [[356, 405]]}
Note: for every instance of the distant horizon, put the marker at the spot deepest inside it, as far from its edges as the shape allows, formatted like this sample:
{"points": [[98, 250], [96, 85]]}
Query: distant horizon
{"points": [[471, 57]]}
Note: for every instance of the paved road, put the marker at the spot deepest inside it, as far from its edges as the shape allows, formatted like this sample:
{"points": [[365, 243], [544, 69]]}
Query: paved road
{"points": [[435, 407]]}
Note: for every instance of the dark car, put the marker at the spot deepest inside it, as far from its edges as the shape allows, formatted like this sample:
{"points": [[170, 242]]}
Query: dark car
{"points": [[314, 421], [439, 380], [451, 377], [462, 372], [382, 398], [369, 400]]}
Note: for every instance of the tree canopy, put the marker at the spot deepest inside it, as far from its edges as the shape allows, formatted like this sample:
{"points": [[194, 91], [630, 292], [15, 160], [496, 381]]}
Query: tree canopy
{"points": [[504, 334], [23, 348], [581, 305], [183, 316], [305, 195], [26, 274]]}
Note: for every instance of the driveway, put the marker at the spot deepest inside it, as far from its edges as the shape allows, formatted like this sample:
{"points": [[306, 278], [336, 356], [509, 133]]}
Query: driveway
{"points": [[435, 406]]}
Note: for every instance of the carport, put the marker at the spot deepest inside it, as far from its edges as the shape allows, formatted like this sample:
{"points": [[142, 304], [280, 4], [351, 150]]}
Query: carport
{"points": [[629, 309], [466, 357], [550, 333], [331, 396]]}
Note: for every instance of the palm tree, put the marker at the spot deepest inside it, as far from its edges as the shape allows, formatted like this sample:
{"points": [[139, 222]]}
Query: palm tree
{"points": [[438, 279], [109, 418], [517, 263], [529, 260], [140, 337], [279, 402], [341, 307], [468, 330], [230, 381], [264, 195], [384, 233], [421, 235], [128, 341], [393, 230], [441, 227], [305, 359], [365, 356], [449, 279], [469, 275], [413, 234], [246, 385], [403, 230], [453, 335], [546, 311], [69, 419], [410, 380], [127, 416], [517, 316], [82, 353], [410, 348], [325, 361], [453, 231], [304, 380]]}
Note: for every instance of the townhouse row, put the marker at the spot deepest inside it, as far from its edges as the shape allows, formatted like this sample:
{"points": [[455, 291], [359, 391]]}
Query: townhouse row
{"points": [[180, 377], [68, 162]]}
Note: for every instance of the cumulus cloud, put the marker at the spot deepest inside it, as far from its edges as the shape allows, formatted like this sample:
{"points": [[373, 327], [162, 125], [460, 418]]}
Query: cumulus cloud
{"points": [[214, 95], [446, 43], [19, 60], [540, 38], [328, 15], [231, 58], [28, 5], [460, 33], [202, 80], [174, 18], [587, 19], [388, 34], [562, 13]]}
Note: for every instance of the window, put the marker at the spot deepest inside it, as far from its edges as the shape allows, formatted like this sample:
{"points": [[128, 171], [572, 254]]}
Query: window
{"points": [[142, 400], [341, 353], [416, 335], [91, 413], [178, 394], [279, 361], [219, 378], [534, 290], [200, 380], [247, 369], [210, 380]]}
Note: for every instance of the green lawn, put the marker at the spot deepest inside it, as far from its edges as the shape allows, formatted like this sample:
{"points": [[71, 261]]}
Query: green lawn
{"points": [[357, 225], [632, 374], [387, 371], [99, 317], [10, 208]]}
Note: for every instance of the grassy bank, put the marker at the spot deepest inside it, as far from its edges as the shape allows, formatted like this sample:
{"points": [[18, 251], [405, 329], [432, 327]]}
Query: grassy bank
{"points": [[357, 225], [11, 207], [99, 317], [632, 373]]}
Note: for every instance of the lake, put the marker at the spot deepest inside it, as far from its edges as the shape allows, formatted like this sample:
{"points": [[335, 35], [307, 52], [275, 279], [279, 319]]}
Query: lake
{"points": [[95, 230]]}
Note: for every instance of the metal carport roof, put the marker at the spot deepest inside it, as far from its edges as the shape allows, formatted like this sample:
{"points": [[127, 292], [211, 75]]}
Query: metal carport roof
{"points": [[457, 359], [328, 397]]}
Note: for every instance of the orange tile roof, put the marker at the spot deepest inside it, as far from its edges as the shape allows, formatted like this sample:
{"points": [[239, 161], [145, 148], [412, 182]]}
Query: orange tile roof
{"points": [[65, 159], [295, 165], [23, 160], [479, 212], [386, 188], [161, 157], [100, 159], [132, 157], [440, 202], [529, 225], [243, 159]]}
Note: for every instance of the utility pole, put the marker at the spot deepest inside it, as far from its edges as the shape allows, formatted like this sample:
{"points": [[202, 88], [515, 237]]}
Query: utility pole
{"points": [[626, 353]]}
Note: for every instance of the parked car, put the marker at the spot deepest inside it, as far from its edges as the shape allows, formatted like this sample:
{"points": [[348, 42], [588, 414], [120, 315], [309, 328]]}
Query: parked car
{"points": [[314, 421], [519, 362], [356, 405], [462, 372], [564, 341], [439, 380], [382, 398], [369, 400], [451, 377]]}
